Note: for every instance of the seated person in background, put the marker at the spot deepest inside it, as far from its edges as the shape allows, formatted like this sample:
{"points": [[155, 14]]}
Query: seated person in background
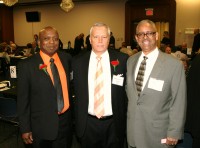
{"points": [[13, 47], [19, 51], [27, 51], [126, 50], [34, 47], [184, 47], [183, 58], [3, 52], [178, 54], [168, 50]]}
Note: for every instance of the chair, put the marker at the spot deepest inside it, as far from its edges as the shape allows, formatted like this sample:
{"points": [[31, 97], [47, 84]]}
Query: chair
{"points": [[8, 115]]}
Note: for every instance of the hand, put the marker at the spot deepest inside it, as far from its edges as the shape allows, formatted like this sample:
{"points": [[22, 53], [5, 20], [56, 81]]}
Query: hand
{"points": [[27, 138], [171, 141]]}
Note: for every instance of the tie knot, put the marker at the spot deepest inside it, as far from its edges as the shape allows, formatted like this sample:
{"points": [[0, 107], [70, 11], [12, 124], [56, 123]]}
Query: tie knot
{"points": [[145, 58], [51, 60], [98, 58]]}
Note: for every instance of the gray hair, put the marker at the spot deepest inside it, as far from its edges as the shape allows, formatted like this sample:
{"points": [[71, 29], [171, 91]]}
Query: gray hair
{"points": [[100, 24], [146, 22]]}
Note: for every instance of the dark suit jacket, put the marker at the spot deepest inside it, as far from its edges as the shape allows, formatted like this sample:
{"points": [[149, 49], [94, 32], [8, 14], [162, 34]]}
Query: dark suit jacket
{"points": [[196, 43], [193, 98], [119, 100], [37, 106]]}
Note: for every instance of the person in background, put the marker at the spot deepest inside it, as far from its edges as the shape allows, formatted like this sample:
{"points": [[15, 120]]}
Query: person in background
{"points": [[60, 45], [103, 125], [79, 43], [196, 43], [87, 42], [134, 44], [179, 55], [184, 48], [165, 40], [35, 38], [4, 53], [126, 50], [156, 99], [12, 48], [112, 41], [35, 48], [168, 50], [27, 51], [42, 123]]}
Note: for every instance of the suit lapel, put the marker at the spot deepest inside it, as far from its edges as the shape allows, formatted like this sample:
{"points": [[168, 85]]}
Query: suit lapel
{"points": [[112, 57], [156, 69], [135, 62], [85, 67], [46, 78]]}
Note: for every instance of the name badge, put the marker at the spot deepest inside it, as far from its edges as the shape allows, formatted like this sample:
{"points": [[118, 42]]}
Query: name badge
{"points": [[155, 84], [118, 80], [13, 73]]}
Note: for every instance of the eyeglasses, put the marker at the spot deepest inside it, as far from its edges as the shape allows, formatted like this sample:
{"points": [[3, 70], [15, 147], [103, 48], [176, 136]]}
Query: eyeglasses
{"points": [[148, 34]]}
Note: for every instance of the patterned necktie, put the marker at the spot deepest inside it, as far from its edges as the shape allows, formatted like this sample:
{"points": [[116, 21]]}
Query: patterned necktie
{"points": [[57, 85], [140, 75], [98, 92]]}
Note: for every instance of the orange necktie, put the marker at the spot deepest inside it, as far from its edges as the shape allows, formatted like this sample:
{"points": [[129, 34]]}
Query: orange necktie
{"points": [[98, 92]]}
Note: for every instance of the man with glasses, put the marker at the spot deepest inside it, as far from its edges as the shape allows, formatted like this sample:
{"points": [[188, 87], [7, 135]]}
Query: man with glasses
{"points": [[156, 91]]}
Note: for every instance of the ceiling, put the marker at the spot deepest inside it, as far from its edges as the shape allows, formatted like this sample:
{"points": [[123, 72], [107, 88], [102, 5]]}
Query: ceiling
{"points": [[36, 2]]}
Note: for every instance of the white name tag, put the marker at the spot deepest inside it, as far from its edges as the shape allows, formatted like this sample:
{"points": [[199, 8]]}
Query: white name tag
{"points": [[13, 73], [118, 80], [155, 84]]}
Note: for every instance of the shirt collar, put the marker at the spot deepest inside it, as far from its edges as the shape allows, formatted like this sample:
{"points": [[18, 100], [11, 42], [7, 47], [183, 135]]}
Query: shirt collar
{"points": [[152, 54], [47, 58], [104, 55]]}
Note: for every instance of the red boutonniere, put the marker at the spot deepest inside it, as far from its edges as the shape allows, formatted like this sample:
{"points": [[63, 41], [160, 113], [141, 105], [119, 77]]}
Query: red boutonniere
{"points": [[114, 64], [44, 68]]}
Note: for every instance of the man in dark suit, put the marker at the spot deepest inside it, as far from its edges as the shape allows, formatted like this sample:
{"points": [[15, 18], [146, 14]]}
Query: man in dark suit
{"points": [[196, 43], [79, 44], [156, 100], [108, 129], [41, 123], [193, 94]]}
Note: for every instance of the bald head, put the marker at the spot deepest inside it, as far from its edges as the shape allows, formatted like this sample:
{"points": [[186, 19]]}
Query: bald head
{"points": [[48, 28]]}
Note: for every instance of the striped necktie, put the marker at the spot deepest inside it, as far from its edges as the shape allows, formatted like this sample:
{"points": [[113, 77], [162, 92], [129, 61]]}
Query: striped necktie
{"points": [[140, 75], [98, 92]]}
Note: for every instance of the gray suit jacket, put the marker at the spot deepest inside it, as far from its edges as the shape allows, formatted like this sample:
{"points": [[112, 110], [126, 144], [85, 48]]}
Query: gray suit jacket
{"points": [[156, 114]]}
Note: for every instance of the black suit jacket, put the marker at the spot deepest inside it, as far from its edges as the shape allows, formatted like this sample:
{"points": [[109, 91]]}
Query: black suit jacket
{"points": [[37, 106], [193, 99], [80, 67], [196, 43]]}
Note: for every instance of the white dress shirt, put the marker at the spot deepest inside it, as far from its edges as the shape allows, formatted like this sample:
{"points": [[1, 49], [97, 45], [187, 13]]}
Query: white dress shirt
{"points": [[105, 61], [152, 57]]}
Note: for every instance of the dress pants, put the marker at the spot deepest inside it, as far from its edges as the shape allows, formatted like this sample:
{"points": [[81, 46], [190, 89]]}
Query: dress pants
{"points": [[63, 140], [101, 133]]}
